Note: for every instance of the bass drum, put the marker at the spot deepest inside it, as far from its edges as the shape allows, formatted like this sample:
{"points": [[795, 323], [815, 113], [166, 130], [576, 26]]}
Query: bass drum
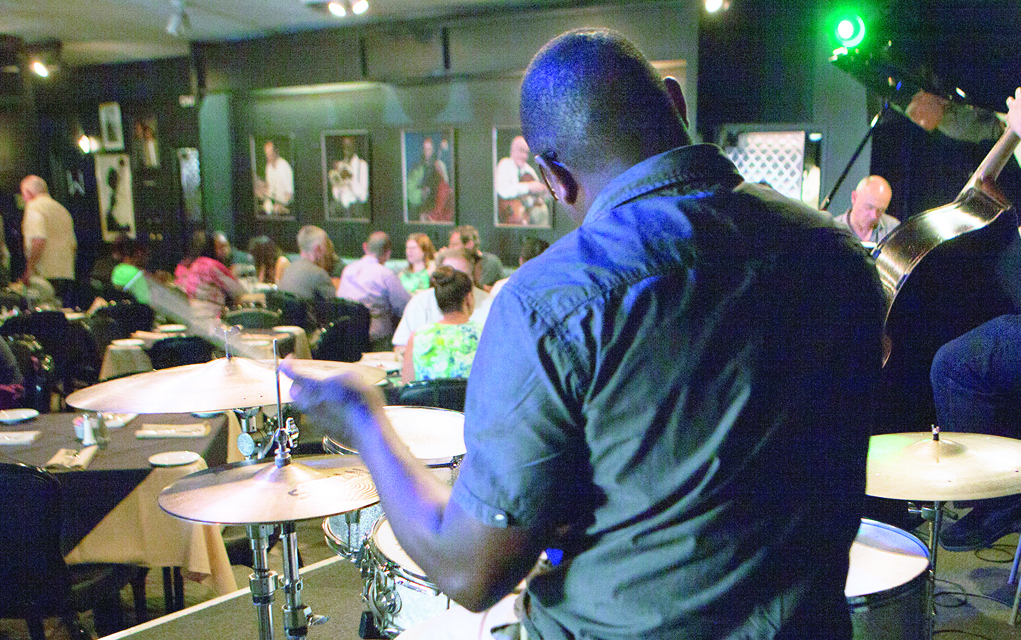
{"points": [[885, 587]]}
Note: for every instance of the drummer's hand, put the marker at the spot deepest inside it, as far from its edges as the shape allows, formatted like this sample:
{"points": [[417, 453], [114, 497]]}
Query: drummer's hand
{"points": [[1014, 112], [342, 403]]}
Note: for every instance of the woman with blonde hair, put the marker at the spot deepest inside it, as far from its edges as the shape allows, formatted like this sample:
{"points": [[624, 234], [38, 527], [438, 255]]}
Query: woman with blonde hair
{"points": [[420, 252]]}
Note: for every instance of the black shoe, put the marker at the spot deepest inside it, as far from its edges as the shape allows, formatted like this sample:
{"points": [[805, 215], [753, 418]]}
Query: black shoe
{"points": [[980, 528]]}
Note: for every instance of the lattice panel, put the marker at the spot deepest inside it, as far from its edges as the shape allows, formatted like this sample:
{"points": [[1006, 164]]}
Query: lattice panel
{"points": [[776, 157]]}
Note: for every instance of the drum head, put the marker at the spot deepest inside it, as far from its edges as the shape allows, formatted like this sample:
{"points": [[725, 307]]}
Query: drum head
{"points": [[385, 540], [883, 557]]}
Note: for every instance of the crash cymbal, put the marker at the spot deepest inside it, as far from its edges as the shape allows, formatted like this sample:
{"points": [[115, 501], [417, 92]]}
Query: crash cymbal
{"points": [[250, 493], [960, 466], [431, 434], [225, 383]]}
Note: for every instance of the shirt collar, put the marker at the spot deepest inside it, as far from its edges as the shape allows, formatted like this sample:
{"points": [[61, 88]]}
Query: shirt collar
{"points": [[691, 168]]}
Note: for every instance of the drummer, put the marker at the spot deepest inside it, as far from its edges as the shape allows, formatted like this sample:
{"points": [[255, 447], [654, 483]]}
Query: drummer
{"points": [[668, 399]]}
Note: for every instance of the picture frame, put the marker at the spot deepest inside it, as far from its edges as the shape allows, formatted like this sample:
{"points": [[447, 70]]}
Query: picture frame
{"points": [[113, 189], [347, 175], [111, 130], [520, 196], [273, 190], [429, 176], [145, 146]]}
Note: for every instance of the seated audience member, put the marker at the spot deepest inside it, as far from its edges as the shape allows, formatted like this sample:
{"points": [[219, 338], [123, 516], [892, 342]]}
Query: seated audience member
{"points": [[270, 262], [194, 250], [210, 285], [445, 348], [421, 256], [423, 308], [976, 383], [467, 237], [307, 277], [530, 247], [369, 282], [129, 275], [867, 217]]}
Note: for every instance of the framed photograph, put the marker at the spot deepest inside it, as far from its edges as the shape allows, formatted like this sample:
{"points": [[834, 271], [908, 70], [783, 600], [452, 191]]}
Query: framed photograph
{"points": [[272, 176], [113, 184], [520, 196], [191, 182], [145, 147], [429, 176], [346, 179], [110, 130]]}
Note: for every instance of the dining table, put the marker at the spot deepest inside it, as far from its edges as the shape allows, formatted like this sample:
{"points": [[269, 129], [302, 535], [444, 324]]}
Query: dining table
{"points": [[109, 509]]}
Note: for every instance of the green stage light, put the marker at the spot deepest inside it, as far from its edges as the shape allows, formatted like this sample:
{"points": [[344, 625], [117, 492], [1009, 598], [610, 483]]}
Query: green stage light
{"points": [[850, 30]]}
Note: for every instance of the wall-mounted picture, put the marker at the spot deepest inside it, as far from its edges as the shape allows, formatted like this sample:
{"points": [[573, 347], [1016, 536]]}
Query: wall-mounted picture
{"points": [[429, 176], [520, 196], [272, 176], [145, 148], [113, 184], [191, 182], [111, 131], [346, 176]]}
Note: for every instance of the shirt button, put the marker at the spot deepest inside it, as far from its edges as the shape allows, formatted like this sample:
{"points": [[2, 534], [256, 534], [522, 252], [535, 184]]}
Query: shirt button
{"points": [[499, 517]]}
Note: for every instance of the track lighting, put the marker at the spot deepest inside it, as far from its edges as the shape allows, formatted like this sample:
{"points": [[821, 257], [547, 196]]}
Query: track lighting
{"points": [[343, 8]]}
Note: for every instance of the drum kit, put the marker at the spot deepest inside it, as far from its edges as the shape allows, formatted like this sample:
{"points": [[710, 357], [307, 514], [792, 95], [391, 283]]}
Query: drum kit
{"points": [[265, 496]]}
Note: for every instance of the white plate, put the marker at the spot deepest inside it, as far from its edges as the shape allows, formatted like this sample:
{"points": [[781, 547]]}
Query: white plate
{"points": [[172, 328], [173, 458], [11, 416], [128, 342]]}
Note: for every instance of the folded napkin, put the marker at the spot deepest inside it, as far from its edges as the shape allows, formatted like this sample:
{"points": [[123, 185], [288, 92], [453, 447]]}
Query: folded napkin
{"points": [[69, 459], [195, 430], [18, 437], [117, 420]]}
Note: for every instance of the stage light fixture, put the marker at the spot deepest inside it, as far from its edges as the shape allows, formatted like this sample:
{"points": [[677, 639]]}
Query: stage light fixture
{"points": [[360, 7], [337, 8], [849, 30], [713, 6], [40, 69]]}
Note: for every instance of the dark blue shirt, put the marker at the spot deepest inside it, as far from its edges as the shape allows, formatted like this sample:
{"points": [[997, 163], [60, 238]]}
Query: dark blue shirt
{"points": [[681, 384]]}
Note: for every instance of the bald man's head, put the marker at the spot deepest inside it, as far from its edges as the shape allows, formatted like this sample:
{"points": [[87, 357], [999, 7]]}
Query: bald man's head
{"points": [[590, 98], [869, 202], [32, 186]]}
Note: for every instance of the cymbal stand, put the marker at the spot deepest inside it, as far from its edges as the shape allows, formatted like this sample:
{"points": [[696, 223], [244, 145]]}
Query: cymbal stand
{"points": [[262, 581], [934, 517]]}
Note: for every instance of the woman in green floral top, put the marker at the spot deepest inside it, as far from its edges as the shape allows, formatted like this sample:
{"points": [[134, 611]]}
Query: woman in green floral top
{"points": [[445, 349], [420, 252]]}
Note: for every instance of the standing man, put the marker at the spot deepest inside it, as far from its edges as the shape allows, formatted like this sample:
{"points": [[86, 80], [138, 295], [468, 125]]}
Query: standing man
{"points": [[867, 217], [307, 276], [369, 282], [522, 195], [50, 244], [491, 269], [349, 182], [670, 400], [277, 189]]}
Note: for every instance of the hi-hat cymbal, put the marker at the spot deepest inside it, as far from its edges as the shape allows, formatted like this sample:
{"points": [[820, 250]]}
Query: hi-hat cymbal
{"points": [[250, 493], [225, 383], [960, 466]]}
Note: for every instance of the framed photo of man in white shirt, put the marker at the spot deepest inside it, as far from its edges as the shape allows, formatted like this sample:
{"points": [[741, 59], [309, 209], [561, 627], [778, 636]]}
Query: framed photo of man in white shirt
{"points": [[273, 176], [520, 196], [346, 176]]}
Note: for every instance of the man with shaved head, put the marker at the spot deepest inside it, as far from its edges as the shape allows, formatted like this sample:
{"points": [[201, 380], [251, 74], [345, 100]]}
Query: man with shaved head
{"points": [[48, 230], [665, 400], [867, 217], [521, 194], [370, 282]]}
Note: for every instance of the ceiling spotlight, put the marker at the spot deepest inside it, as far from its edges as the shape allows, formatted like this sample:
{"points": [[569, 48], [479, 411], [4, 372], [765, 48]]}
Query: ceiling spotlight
{"points": [[337, 8], [360, 7], [40, 69], [178, 21]]}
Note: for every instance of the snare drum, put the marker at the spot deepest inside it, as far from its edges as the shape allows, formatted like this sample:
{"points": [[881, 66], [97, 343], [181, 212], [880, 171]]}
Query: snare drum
{"points": [[885, 587], [396, 590]]}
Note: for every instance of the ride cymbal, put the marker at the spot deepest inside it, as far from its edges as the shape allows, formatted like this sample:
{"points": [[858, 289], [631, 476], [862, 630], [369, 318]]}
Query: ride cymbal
{"points": [[959, 466], [261, 493], [219, 385]]}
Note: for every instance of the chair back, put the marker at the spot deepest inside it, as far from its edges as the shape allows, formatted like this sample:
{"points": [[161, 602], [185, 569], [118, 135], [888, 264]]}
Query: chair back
{"points": [[179, 351], [444, 393], [252, 318], [132, 316], [33, 575], [293, 310], [346, 337], [12, 300], [38, 370]]}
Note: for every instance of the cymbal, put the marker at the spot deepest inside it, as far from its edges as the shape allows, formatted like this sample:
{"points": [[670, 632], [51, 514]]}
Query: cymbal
{"points": [[225, 383], [960, 466], [430, 433], [259, 493]]}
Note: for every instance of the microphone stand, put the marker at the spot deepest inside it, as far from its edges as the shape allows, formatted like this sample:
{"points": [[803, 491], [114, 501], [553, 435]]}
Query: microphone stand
{"points": [[857, 152]]}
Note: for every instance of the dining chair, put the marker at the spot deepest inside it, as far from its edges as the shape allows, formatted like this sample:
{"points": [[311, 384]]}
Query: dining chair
{"points": [[252, 318], [35, 582], [179, 351], [444, 393], [37, 369], [293, 310], [132, 316], [346, 338]]}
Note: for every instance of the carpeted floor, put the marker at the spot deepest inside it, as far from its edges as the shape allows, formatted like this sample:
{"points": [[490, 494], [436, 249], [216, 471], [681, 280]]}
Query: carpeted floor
{"points": [[973, 599]]}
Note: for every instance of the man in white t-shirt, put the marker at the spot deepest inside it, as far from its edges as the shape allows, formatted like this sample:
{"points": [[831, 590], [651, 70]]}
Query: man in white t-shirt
{"points": [[50, 244], [423, 308]]}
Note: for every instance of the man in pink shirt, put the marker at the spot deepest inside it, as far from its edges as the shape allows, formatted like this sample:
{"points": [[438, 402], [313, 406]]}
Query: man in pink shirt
{"points": [[369, 282]]}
